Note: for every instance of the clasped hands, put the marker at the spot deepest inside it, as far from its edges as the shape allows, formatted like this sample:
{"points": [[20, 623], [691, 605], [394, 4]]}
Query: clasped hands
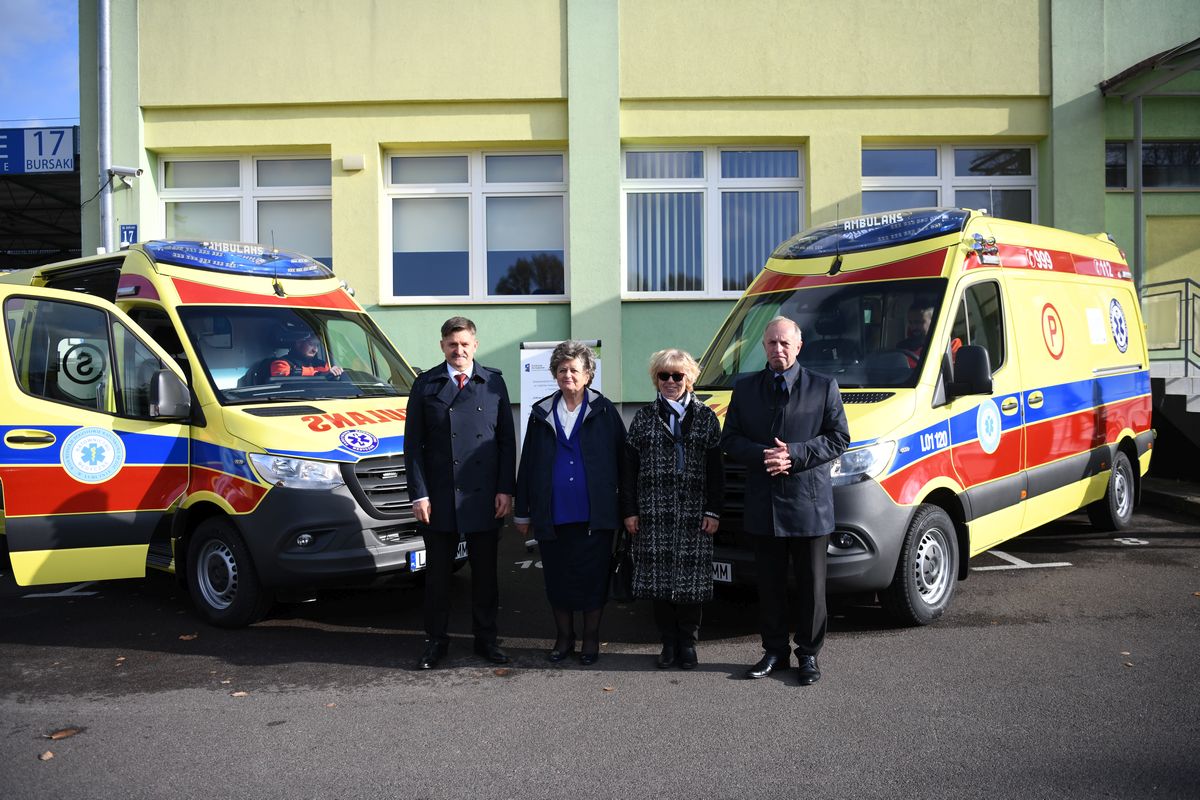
{"points": [[776, 459]]}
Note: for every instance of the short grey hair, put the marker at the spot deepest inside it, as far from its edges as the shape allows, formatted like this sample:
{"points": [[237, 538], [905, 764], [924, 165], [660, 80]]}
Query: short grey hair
{"points": [[570, 350], [787, 321]]}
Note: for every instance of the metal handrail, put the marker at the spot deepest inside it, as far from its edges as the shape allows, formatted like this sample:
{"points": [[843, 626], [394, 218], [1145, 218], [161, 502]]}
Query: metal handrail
{"points": [[1187, 344]]}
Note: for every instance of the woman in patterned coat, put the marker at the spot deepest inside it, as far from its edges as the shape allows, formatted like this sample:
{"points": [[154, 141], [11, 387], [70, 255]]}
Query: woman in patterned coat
{"points": [[671, 498]]}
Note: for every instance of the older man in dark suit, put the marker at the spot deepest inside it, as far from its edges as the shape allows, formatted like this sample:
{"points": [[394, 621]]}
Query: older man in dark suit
{"points": [[460, 456], [786, 425]]}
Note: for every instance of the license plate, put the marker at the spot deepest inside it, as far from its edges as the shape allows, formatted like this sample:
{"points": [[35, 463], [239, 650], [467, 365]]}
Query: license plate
{"points": [[416, 559], [723, 572]]}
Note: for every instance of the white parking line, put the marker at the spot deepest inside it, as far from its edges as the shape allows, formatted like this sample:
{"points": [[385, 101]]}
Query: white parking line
{"points": [[1016, 563], [72, 592]]}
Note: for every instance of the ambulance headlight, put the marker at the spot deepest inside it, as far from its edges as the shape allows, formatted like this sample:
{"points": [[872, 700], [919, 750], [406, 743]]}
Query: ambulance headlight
{"points": [[862, 463], [297, 473]]}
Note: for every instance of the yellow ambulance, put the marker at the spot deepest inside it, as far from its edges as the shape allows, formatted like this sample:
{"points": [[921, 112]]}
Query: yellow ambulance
{"points": [[995, 378], [236, 417]]}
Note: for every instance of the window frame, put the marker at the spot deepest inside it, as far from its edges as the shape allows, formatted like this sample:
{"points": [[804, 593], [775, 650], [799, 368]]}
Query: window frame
{"points": [[1128, 187], [945, 182], [476, 190], [247, 194], [711, 187]]}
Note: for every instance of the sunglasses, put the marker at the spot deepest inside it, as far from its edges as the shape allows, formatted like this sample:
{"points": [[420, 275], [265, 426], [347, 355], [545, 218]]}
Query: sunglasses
{"points": [[671, 376]]}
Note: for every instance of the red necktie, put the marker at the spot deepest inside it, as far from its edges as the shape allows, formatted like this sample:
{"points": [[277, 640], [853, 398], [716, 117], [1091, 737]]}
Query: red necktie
{"points": [[462, 380]]}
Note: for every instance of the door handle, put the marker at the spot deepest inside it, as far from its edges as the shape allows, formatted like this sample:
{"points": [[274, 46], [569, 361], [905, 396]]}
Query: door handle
{"points": [[28, 438], [1010, 406], [1035, 399]]}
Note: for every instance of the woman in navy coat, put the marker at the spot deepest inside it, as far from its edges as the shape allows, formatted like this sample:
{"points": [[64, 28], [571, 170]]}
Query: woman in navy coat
{"points": [[567, 492]]}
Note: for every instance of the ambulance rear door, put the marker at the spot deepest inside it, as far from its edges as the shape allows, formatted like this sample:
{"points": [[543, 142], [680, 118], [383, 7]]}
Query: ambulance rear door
{"points": [[93, 437]]}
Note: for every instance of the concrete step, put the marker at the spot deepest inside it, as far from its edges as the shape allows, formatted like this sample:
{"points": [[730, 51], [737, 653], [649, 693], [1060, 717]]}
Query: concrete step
{"points": [[1189, 387]]}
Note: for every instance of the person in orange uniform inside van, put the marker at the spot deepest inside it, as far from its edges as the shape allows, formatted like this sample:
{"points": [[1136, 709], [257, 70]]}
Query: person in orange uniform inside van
{"points": [[304, 360], [916, 332]]}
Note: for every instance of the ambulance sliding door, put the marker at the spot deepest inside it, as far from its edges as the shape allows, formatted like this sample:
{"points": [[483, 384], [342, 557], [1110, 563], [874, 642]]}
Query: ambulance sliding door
{"points": [[87, 470], [985, 430], [1074, 377]]}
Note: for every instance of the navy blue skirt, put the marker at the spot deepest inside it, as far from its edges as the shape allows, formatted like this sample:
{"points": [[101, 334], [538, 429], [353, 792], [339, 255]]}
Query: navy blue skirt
{"points": [[576, 567]]}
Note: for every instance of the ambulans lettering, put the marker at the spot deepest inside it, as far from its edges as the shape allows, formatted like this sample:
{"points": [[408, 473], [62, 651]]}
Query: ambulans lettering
{"points": [[860, 223], [325, 422]]}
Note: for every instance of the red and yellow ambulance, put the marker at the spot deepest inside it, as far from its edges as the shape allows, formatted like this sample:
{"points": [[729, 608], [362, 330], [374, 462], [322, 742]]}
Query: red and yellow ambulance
{"points": [[994, 374], [236, 417]]}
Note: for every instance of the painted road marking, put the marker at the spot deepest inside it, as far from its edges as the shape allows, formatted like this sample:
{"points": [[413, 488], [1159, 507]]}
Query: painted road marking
{"points": [[1131, 541], [1016, 563], [72, 592]]}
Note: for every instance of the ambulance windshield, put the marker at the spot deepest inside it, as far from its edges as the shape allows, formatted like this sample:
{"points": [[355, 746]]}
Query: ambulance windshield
{"points": [[871, 231], [265, 355], [866, 335]]}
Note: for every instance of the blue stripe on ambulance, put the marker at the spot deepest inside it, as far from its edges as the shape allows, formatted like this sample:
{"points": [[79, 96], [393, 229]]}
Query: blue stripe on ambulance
{"points": [[222, 459], [140, 448], [388, 446]]}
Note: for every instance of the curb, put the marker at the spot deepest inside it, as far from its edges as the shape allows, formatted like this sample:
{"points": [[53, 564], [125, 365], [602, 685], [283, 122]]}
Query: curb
{"points": [[1178, 496]]}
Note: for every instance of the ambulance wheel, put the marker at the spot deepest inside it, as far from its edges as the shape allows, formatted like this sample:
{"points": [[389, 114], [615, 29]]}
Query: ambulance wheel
{"points": [[927, 570], [221, 579], [1114, 511]]}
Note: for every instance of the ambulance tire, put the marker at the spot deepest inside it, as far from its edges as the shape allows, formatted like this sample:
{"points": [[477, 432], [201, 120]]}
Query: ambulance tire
{"points": [[1114, 511], [927, 571], [221, 578]]}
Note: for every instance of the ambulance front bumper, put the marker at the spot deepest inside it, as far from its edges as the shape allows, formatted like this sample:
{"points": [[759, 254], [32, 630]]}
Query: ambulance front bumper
{"points": [[303, 538]]}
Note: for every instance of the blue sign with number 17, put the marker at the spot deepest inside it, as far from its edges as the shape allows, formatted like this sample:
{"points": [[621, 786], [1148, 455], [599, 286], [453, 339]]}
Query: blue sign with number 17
{"points": [[28, 150]]}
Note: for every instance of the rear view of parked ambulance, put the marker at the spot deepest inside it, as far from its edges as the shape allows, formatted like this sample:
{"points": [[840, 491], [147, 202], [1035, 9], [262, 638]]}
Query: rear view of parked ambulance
{"points": [[994, 375], [288, 469]]}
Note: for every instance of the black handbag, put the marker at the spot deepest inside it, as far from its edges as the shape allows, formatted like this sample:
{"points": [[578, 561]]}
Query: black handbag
{"points": [[620, 579]]}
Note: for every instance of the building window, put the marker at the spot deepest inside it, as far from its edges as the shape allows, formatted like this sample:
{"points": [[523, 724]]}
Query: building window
{"points": [[275, 201], [1165, 165], [1002, 180], [478, 226], [702, 221]]}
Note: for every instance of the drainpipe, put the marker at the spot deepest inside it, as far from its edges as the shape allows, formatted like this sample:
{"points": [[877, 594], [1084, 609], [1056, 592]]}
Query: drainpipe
{"points": [[1139, 219], [104, 119]]}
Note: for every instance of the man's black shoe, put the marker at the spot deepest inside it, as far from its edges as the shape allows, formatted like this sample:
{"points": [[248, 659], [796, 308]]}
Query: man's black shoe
{"points": [[687, 657], [434, 652], [667, 657], [810, 673], [766, 665], [492, 652]]}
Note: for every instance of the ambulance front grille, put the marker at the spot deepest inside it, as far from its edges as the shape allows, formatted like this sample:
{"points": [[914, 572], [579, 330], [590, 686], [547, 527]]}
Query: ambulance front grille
{"points": [[381, 484], [865, 397]]}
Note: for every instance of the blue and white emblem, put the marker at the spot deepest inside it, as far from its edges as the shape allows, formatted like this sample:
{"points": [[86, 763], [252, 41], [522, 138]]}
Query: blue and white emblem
{"points": [[1120, 329], [92, 455], [359, 441], [987, 426]]}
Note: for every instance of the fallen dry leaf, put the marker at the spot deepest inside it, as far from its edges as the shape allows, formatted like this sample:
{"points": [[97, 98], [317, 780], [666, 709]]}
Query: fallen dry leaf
{"points": [[239, 694], [187, 637], [63, 733], [1129, 663], [1195, 594], [610, 688], [1125, 653], [503, 672], [226, 681], [120, 658], [331, 705], [46, 756]]}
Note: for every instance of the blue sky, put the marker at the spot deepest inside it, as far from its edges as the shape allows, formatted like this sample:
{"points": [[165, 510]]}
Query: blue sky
{"points": [[39, 58]]}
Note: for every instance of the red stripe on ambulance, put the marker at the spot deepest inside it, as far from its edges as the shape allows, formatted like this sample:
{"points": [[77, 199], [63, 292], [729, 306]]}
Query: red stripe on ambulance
{"points": [[46, 490], [192, 292], [929, 265]]}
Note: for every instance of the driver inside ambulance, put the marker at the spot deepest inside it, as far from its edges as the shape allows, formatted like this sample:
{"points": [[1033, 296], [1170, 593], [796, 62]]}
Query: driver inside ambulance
{"points": [[916, 332], [304, 359]]}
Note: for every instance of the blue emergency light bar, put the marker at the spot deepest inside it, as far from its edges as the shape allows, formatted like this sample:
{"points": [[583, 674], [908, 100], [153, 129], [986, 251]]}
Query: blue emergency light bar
{"points": [[237, 258], [873, 230]]}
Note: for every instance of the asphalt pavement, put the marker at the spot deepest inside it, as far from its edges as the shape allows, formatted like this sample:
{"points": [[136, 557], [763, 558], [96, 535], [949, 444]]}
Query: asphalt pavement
{"points": [[1065, 668]]}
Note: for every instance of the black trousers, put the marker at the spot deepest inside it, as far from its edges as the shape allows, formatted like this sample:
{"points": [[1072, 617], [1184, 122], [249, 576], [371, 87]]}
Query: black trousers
{"points": [[772, 555], [678, 623], [440, 547]]}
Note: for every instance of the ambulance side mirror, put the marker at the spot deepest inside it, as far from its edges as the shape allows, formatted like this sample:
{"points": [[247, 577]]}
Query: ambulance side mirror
{"points": [[970, 372], [169, 396]]}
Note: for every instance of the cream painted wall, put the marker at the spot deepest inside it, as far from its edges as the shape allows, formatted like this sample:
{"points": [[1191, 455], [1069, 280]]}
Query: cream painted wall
{"points": [[269, 52], [833, 48]]}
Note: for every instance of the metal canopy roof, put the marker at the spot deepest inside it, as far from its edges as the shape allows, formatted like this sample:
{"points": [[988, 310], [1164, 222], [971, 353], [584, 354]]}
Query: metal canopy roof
{"points": [[39, 219], [1146, 78]]}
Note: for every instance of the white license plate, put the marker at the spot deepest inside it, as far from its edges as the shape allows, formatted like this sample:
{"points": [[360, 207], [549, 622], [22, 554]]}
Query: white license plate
{"points": [[416, 559], [722, 572]]}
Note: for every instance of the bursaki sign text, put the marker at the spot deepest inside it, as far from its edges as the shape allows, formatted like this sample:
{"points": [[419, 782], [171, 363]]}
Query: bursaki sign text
{"points": [[27, 150]]}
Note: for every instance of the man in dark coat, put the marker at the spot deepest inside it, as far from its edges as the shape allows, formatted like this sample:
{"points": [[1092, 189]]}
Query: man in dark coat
{"points": [[460, 456], [786, 425]]}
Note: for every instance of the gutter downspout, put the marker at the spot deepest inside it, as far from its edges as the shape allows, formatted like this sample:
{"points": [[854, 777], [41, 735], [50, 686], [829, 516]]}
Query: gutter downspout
{"points": [[104, 119]]}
